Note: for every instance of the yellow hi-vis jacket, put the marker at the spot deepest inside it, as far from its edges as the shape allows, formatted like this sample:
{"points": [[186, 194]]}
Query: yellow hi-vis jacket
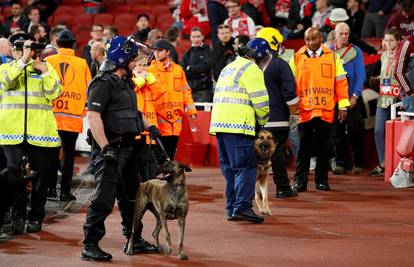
{"points": [[26, 110], [74, 75], [240, 99]]}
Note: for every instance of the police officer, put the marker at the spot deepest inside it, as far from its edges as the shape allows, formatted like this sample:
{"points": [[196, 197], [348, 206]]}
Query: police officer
{"points": [[114, 122], [240, 100], [28, 127], [283, 101]]}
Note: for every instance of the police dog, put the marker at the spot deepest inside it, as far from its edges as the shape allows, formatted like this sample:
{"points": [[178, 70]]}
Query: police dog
{"points": [[265, 146], [167, 198]]}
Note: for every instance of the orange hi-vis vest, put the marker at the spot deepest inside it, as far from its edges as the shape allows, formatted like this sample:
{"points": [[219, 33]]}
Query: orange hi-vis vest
{"points": [[74, 75], [172, 97], [145, 101], [320, 83]]}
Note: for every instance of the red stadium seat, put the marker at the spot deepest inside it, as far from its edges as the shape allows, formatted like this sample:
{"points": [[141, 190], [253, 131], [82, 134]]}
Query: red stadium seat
{"points": [[67, 18], [104, 19], [153, 2], [125, 19], [135, 2], [119, 9], [1, 18], [7, 11], [63, 10], [72, 2], [142, 9], [83, 21]]}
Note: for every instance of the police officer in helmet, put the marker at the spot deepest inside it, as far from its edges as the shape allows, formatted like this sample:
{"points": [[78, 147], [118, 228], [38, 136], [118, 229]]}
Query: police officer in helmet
{"points": [[114, 122]]}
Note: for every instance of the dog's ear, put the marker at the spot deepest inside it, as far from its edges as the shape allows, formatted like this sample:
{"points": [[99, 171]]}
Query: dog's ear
{"points": [[185, 168]]}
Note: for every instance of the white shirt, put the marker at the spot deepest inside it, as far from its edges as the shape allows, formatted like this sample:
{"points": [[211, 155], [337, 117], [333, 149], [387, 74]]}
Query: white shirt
{"points": [[235, 27], [318, 52]]}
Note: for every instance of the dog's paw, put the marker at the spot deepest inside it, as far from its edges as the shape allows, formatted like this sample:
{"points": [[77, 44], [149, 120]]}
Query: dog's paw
{"points": [[182, 256], [164, 250], [266, 212]]}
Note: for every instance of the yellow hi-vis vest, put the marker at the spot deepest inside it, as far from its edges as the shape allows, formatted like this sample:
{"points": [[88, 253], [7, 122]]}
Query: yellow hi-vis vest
{"points": [[240, 99], [26, 111]]}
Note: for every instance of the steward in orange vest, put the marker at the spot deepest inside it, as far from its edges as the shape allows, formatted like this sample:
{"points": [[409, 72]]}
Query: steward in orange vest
{"points": [[173, 97], [320, 83], [69, 108]]}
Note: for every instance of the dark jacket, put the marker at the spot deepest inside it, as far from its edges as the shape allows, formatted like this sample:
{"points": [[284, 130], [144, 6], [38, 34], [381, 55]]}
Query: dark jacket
{"points": [[281, 87], [222, 56], [22, 22], [198, 63], [355, 22], [252, 12], [142, 35]]}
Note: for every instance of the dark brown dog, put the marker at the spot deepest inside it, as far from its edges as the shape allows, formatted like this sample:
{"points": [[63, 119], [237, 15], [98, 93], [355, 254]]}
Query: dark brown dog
{"points": [[167, 199], [265, 146]]}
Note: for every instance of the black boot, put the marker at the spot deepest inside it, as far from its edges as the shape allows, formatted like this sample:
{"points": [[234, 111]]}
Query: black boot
{"points": [[92, 252], [141, 246]]}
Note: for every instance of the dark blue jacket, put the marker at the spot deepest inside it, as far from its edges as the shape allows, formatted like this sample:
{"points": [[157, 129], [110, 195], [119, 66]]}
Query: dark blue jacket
{"points": [[281, 87]]}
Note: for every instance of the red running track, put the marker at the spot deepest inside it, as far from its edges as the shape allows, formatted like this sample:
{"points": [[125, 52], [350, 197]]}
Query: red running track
{"points": [[361, 222]]}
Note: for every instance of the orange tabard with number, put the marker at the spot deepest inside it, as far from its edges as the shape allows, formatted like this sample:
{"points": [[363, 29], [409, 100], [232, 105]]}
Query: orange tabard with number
{"points": [[146, 103], [315, 85], [171, 97], [74, 75]]}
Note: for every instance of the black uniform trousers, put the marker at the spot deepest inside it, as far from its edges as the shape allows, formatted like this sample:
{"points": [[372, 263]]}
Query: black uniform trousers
{"points": [[280, 160], [119, 182], [38, 159], [321, 130], [68, 145], [170, 144], [354, 125]]}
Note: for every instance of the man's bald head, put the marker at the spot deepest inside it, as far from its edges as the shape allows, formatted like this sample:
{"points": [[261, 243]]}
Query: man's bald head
{"points": [[98, 51], [313, 38], [5, 47], [342, 31]]}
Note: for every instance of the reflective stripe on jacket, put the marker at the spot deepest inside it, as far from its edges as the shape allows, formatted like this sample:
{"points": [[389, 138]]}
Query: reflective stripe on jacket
{"points": [[26, 111], [320, 83], [240, 99], [75, 76], [172, 97]]}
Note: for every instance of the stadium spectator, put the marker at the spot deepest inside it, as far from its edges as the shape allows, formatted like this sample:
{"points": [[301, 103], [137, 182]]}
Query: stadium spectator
{"points": [[239, 22], [388, 94], [109, 32], [97, 56], [193, 13], [217, 14], [299, 18], [39, 33], [17, 20], [33, 13], [142, 28], [97, 36], [403, 20], [253, 9], [173, 36], [46, 7], [222, 49], [54, 33], [356, 16], [93, 7], [5, 51], [323, 11], [376, 18], [198, 63], [153, 36]]}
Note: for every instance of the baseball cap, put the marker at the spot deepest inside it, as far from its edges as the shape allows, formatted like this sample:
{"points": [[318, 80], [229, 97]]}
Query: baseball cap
{"points": [[163, 44], [66, 35]]}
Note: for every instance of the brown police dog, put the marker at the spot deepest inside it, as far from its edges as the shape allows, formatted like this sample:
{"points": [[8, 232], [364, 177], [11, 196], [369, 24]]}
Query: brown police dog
{"points": [[167, 199], [265, 146]]}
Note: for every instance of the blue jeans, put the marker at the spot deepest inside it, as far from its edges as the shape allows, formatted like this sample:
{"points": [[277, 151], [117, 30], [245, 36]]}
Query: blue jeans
{"points": [[382, 115], [408, 103], [238, 165]]}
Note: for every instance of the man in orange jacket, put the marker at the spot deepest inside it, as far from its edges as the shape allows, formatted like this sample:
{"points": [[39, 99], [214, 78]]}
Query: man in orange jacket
{"points": [[172, 98], [69, 108], [320, 84]]}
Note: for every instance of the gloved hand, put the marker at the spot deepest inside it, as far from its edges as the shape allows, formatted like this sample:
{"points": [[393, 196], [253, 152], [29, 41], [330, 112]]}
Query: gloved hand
{"points": [[154, 132], [109, 155]]}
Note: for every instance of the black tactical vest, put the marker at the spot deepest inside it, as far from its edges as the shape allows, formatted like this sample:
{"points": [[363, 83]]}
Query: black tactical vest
{"points": [[121, 116]]}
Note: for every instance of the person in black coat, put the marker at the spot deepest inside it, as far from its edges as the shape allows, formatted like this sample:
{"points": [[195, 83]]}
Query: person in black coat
{"points": [[198, 62], [222, 49], [143, 28]]}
